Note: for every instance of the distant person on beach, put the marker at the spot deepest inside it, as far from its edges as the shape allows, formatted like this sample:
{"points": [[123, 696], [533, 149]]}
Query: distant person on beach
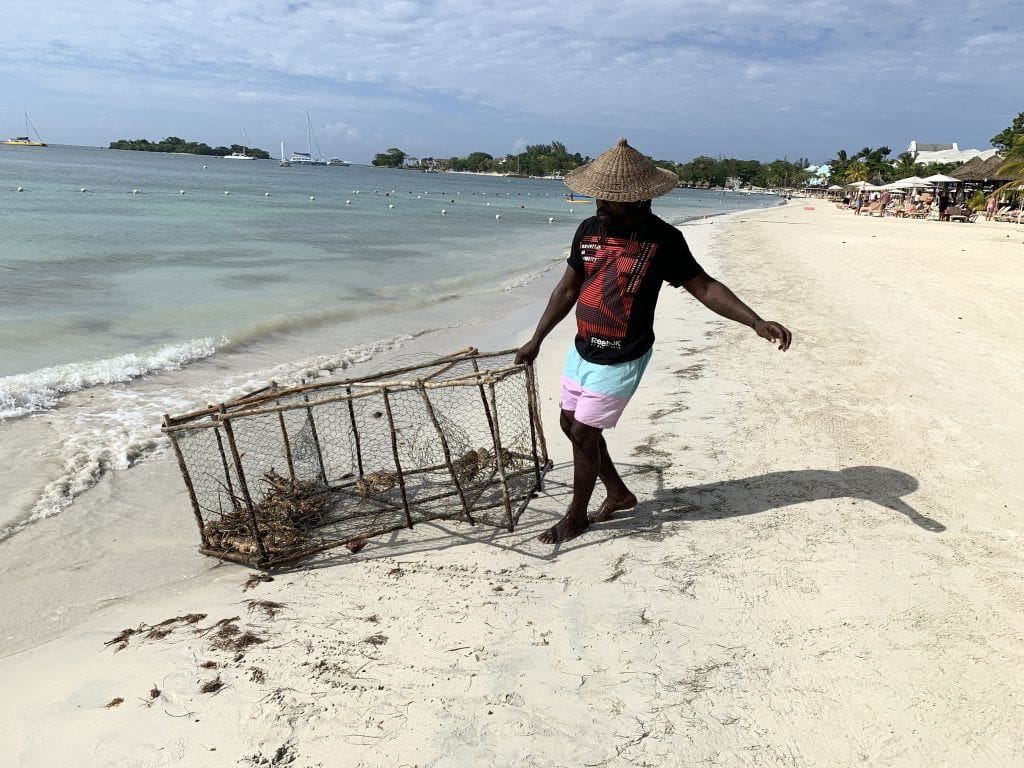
{"points": [[618, 262], [990, 207], [943, 206]]}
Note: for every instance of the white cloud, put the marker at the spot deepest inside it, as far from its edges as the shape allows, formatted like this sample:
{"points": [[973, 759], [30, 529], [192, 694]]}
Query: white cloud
{"points": [[669, 73]]}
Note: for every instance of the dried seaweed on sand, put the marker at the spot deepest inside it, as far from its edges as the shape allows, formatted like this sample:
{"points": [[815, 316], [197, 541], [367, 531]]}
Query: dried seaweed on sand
{"points": [[270, 608], [212, 686], [154, 632], [253, 581], [225, 635]]}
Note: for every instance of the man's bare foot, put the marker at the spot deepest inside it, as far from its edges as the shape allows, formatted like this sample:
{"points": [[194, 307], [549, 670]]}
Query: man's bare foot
{"points": [[611, 505], [568, 527]]}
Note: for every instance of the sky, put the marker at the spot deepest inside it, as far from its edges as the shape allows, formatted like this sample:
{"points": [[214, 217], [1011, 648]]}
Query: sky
{"points": [[752, 79]]}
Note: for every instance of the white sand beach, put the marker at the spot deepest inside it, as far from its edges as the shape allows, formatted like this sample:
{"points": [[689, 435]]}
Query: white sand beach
{"points": [[825, 567]]}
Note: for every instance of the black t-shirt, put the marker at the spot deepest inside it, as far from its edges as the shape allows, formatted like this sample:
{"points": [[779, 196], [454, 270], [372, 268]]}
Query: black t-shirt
{"points": [[622, 276]]}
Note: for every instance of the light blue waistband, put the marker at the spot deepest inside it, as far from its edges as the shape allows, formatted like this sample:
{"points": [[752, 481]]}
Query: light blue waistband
{"points": [[615, 380]]}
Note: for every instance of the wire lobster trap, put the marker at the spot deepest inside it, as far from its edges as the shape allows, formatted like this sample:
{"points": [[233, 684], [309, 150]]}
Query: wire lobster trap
{"points": [[280, 474]]}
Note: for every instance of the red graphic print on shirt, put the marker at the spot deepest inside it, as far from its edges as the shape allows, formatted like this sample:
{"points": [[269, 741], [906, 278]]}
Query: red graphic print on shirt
{"points": [[614, 268]]}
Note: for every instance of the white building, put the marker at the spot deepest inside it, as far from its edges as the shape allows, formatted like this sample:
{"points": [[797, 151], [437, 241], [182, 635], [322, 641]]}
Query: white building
{"points": [[945, 153]]}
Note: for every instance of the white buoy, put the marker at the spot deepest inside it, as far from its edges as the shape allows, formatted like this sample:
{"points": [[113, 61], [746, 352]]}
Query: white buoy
{"points": [[570, 210], [551, 220], [226, 192], [181, 191], [82, 189], [204, 167], [135, 191], [488, 203], [497, 216], [419, 197], [21, 189], [444, 212], [311, 198], [266, 194], [348, 202], [391, 206]]}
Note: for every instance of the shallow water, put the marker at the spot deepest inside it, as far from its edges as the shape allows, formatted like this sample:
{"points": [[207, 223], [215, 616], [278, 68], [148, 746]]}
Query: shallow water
{"points": [[130, 299]]}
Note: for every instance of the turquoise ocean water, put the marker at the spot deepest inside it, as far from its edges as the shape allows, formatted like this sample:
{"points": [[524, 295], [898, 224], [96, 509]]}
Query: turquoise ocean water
{"points": [[221, 270]]}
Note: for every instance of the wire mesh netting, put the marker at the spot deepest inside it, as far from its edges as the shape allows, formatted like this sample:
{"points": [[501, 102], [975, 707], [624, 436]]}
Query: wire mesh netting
{"points": [[281, 474]]}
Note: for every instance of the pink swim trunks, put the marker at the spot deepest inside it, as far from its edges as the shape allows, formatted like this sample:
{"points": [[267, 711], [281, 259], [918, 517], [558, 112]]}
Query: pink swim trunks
{"points": [[599, 393]]}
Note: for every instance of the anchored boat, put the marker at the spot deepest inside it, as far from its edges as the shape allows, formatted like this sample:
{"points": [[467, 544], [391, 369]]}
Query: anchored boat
{"points": [[26, 141]]}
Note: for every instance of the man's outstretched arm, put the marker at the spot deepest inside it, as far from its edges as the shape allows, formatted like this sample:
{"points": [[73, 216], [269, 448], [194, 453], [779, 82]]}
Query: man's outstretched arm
{"points": [[718, 298], [563, 298]]}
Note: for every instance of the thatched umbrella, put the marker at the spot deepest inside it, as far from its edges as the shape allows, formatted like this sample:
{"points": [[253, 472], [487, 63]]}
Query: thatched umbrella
{"points": [[980, 171]]}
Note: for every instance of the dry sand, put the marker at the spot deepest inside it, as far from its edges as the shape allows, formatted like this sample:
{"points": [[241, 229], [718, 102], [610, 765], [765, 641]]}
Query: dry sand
{"points": [[825, 568]]}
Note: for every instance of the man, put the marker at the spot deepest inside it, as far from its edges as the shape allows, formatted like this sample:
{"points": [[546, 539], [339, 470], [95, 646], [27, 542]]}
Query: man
{"points": [[619, 259]]}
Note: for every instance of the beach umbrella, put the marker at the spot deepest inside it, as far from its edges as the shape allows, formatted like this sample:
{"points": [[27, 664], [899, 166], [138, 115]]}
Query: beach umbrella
{"points": [[835, 188], [940, 178], [914, 182], [910, 182], [863, 186]]}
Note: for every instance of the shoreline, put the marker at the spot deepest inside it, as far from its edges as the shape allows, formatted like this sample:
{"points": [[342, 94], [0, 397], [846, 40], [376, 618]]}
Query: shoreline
{"points": [[822, 570], [106, 498]]}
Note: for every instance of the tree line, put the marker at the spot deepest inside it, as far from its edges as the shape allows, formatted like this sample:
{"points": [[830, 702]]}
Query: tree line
{"points": [[555, 160], [873, 164], [536, 160], [175, 144], [704, 171]]}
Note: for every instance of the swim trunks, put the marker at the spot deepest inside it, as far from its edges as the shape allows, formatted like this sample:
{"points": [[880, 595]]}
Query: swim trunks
{"points": [[599, 393]]}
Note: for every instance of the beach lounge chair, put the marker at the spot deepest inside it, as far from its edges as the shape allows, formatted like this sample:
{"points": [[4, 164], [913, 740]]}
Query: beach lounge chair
{"points": [[961, 213], [1014, 216]]}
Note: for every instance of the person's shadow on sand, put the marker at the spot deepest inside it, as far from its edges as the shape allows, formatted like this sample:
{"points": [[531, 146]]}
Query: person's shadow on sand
{"points": [[710, 501], [760, 493]]}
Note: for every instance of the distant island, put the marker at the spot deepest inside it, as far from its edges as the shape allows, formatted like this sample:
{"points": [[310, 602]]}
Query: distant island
{"points": [[180, 146]]}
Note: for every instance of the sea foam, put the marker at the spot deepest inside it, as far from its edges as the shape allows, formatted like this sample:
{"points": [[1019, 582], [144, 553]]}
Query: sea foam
{"points": [[127, 429], [26, 393]]}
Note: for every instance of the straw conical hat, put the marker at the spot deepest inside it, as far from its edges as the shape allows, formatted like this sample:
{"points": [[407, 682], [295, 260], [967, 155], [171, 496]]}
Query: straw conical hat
{"points": [[621, 175]]}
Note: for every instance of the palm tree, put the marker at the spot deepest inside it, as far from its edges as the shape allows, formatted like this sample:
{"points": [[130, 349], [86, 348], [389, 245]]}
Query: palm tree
{"points": [[1013, 167], [856, 171], [905, 166]]}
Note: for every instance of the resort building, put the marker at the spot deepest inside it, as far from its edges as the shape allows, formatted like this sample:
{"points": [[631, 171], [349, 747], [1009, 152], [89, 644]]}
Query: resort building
{"points": [[945, 153]]}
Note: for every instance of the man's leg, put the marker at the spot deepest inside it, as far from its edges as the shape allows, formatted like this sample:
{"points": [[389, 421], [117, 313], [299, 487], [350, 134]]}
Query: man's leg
{"points": [[590, 461], [617, 495], [586, 459]]}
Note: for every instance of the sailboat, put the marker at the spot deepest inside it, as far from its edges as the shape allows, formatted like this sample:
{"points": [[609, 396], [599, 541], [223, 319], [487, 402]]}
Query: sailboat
{"points": [[241, 155], [26, 141], [306, 158], [282, 162]]}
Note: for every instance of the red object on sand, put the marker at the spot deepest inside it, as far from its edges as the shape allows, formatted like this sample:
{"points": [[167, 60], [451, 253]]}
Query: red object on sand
{"points": [[355, 545], [808, 207]]}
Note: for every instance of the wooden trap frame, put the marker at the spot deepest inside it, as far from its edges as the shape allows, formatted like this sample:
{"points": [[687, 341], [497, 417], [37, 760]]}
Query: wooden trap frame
{"points": [[280, 474]]}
